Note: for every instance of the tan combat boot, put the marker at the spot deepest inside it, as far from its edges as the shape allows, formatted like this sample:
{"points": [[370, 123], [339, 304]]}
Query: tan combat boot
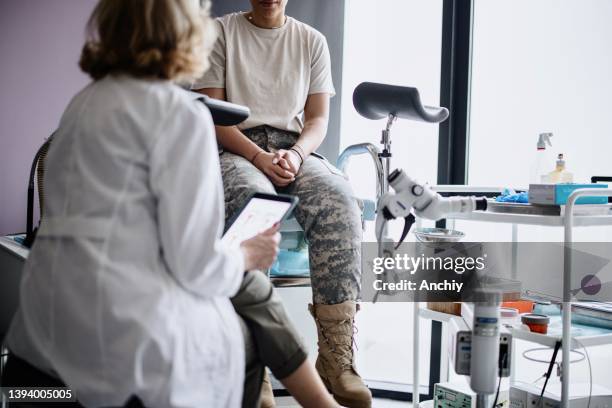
{"points": [[336, 360], [267, 394]]}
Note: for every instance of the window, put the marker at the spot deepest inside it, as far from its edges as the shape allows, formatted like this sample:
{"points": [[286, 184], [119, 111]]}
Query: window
{"points": [[540, 66], [395, 42]]}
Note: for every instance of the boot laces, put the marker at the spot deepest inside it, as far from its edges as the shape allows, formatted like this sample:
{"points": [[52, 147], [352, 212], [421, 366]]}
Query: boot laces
{"points": [[342, 355]]}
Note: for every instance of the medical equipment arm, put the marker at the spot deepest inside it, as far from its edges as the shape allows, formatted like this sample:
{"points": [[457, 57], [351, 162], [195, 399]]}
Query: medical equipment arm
{"points": [[409, 194]]}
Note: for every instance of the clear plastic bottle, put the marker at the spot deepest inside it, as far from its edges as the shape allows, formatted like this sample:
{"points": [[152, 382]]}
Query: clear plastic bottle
{"points": [[560, 174], [540, 162]]}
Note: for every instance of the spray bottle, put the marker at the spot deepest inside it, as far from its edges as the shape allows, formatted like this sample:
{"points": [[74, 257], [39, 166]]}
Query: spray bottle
{"points": [[537, 174]]}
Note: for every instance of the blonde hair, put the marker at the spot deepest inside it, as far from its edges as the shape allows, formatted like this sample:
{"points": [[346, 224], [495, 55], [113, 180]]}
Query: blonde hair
{"points": [[162, 39]]}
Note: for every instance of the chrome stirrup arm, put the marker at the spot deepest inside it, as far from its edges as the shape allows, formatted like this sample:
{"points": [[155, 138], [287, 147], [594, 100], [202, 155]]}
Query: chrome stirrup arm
{"points": [[374, 153]]}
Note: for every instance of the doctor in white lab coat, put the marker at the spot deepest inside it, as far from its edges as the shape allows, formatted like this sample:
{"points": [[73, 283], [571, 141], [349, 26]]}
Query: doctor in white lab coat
{"points": [[126, 291]]}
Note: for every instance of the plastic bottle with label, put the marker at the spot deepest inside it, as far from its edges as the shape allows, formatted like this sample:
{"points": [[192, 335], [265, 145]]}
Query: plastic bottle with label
{"points": [[560, 174]]}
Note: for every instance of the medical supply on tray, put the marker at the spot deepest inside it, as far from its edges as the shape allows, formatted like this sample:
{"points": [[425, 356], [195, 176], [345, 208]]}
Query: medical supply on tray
{"points": [[537, 323], [557, 194], [596, 314], [541, 159], [508, 195], [453, 308], [549, 209], [523, 306], [549, 310], [560, 174], [438, 235], [510, 316]]}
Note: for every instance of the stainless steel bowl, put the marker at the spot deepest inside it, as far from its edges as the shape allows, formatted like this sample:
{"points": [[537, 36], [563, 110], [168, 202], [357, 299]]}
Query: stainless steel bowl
{"points": [[438, 235]]}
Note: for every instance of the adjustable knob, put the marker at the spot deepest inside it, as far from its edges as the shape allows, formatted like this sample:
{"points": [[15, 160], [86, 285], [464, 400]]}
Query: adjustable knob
{"points": [[417, 190], [394, 174], [481, 204]]}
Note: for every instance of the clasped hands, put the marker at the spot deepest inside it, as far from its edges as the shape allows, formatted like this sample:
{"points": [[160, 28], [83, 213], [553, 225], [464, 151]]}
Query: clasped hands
{"points": [[280, 167]]}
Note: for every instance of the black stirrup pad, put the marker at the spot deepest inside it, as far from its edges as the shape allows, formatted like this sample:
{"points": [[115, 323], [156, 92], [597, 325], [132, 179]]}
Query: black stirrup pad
{"points": [[377, 101], [222, 112]]}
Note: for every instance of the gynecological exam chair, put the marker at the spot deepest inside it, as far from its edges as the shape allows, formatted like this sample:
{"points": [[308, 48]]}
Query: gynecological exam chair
{"points": [[373, 101]]}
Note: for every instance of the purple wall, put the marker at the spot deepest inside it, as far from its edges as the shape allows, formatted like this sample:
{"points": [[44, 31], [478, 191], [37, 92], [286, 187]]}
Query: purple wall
{"points": [[40, 43]]}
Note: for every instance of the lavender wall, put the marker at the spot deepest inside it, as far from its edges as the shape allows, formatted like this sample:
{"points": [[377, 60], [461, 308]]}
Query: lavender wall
{"points": [[39, 51]]}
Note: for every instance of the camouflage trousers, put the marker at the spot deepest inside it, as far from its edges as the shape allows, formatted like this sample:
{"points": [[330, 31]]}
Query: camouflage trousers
{"points": [[328, 212]]}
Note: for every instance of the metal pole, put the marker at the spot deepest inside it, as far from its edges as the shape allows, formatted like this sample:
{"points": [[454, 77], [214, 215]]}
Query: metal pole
{"points": [[385, 155], [514, 250], [416, 368], [482, 401], [567, 286]]}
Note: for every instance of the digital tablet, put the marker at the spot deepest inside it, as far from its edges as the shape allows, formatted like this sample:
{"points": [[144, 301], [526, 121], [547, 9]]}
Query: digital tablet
{"points": [[260, 212]]}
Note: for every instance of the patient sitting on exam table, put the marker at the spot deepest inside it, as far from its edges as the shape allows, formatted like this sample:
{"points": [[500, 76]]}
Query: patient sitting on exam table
{"points": [[126, 293]]}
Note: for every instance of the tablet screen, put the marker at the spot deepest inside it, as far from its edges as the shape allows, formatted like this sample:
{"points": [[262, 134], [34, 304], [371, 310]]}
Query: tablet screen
{"points": [[258, 215]]}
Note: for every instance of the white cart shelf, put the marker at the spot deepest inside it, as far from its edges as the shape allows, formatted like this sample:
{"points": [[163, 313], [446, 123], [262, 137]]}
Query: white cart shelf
{"points": [[550, 340], [541, 220], [567, 221]]}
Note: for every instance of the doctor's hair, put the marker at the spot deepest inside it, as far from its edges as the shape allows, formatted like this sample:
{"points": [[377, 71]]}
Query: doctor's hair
{"points": [[155, 39]]}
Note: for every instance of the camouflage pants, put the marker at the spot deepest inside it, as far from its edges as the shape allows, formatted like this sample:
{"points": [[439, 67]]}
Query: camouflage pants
{"points": [[327, 210]]}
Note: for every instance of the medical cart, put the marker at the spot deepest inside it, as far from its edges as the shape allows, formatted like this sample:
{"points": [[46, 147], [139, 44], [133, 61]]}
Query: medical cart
{"points": [[568, 221]]}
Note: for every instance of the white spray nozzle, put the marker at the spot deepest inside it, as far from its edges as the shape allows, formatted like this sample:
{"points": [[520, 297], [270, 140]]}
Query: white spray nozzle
{"points": [[543, 139]]}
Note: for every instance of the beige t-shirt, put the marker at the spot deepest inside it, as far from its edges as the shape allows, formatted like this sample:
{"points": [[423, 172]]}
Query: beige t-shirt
{"points": [[272, 71]]}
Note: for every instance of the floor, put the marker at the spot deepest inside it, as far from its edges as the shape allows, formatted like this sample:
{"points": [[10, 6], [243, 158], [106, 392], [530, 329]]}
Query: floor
{"points": [[289, 402]]}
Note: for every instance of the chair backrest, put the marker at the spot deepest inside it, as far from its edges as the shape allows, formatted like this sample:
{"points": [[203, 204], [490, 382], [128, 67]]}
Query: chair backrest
{"points": [[36, 181]]}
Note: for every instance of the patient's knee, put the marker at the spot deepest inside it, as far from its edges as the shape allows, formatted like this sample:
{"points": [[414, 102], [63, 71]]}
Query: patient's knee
{"points": [[337, 200], [335, 219]]}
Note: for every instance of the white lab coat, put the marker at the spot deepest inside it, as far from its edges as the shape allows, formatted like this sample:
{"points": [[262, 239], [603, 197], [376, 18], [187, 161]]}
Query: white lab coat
{"points": [[126, 290]]}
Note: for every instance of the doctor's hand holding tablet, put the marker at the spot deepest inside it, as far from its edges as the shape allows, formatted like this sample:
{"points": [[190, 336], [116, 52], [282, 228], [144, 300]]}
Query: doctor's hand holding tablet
{"points": [[255, 229], [260, 251]]}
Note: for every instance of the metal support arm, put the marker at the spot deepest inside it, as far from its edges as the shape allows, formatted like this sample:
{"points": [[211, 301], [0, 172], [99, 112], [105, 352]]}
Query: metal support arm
{"points": [[374, 152]]}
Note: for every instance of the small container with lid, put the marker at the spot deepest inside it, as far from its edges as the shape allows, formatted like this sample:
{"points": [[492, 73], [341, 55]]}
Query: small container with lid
{"points": [[537, 323], [509, 316], [560, 174]]}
